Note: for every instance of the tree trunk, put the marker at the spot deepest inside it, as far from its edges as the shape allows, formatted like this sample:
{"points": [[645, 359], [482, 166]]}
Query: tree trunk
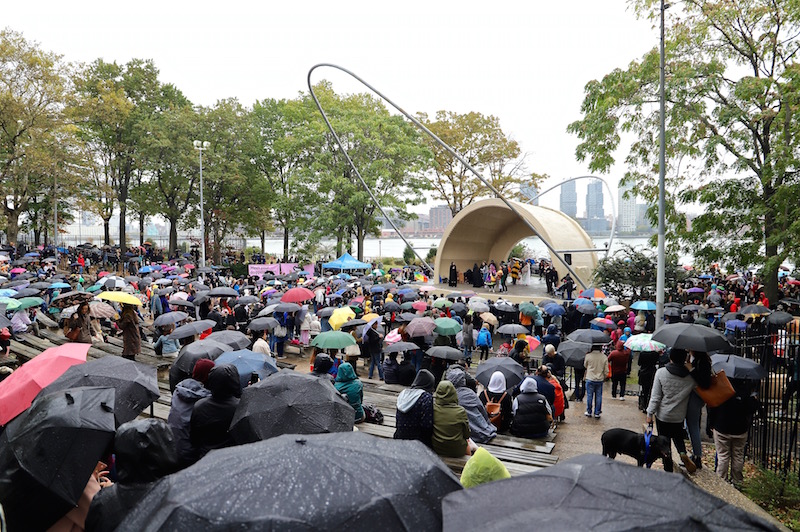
{"points": [[123, 211], [173, 235], [773, 262], [360, 237], [339, 242], [12, 231], [141, 228], [263, 242], [106, 231], [285, 244], [37, 237]]}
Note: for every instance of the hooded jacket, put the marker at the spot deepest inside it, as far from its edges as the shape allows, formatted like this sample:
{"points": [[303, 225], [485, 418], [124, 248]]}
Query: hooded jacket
{"points": [[186, 394], [552, 337], [479, 426], [672, 386], [496, 391], [484, 338], [414, 417], [531, 411], [212, 416], [619, 359], [450, 422], [145, 452], [348, 384]]}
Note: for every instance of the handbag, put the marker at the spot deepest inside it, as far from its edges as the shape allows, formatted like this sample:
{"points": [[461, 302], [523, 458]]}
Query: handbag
{"points": [[73, 334], [280, 332], [720, 390]]}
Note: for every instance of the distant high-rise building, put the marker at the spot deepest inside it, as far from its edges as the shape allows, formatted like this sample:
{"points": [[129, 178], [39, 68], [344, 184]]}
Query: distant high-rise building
{"points": [[628, 214], [594, 200], [529, 192], [440, 216], [569, 199]]}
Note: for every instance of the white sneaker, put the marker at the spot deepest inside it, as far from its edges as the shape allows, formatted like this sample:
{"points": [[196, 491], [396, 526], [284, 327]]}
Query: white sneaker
{"points": [[621, 397], [587, 414]]}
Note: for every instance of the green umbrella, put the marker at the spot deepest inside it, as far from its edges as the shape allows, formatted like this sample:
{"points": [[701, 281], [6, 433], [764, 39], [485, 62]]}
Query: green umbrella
{"points": [[442, 303], [407, 305], [29, 302], [11, 304], [94, 288], [333, 340], [528, 309], [447, 326]]}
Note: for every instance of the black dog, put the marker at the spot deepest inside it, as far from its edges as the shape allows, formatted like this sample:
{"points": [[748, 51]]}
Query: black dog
{"points": [[627, 442]]}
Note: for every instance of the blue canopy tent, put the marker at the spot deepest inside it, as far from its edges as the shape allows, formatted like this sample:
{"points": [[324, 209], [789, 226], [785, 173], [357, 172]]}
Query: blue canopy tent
{"points": [[346, 262]]}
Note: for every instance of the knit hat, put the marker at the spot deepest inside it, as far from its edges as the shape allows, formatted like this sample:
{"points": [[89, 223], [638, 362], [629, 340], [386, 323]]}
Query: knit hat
{"points": [[201, 370]]}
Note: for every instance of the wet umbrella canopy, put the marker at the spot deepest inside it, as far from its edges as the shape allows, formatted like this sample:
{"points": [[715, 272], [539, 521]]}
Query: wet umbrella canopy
{"points": [[136, 384], [290, 403], [736, 367], [48, 453], [348, 481], [445, 352], [691, 336], [192, 328], [188, 357], [574, 352], [247, 362], [590, 336], [234, 339], [597, 494], [510, 368], [170, 318]]}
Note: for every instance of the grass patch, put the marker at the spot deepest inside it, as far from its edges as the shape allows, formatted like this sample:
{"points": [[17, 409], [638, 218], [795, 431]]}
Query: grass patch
{"points": [[780, 498]]}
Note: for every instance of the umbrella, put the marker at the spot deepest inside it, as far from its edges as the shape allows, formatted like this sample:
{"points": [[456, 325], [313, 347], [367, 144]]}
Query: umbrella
{"points": [[643, 342], [490, 318], [598, 494], [406, 317], [70, 298], [533, 342], [554, 309], [401, 347], [391, 306], [340, 316], [190, 329], [188, 357], [587, 309], [446, 326], [427, 288], [574, 352], [120, 297], [287, 307], [505, 307], [133, 279], [353, 323], [528, 309], [246, 300], [446, 352], [736, 367], [604, 323], [17, 270], [8, 292], [593, 293], [458, 308], [114, 282], [297, 295], [589, 336], [223, 291], [11, 304], [692, 308], [420, 327], [755, 310], [165, 291], [419, 305], [478, 306], [30, 302], [644, 305], [170, 318], [442, 303], [333, 340], [544, 302], [26, 292], [513, 329], [290, 403], [19, 389], [734, 325], [235, 487], [779, 318], [582, 301], [691, 336], [696, 290], [377, 290], [234, 339], [615, 308], [247, 362], [263, 324], [48, 453], [136, 384], [325, 312], [672, 312], [178, 302], [98, 309], [511, 369], [163, 282]]}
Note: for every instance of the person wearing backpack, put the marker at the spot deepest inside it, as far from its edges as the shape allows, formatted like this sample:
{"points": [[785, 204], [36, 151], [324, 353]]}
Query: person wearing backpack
{"points": [[481, 430], [484, 342], [498, 402]]}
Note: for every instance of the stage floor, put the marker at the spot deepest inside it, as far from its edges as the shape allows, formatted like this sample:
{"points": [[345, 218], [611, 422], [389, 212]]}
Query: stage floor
{"points": [[517, 293]]}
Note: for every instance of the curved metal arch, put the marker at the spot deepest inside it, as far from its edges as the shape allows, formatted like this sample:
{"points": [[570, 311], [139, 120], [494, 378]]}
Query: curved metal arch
{"points": [[611, 195], [441, 143]]}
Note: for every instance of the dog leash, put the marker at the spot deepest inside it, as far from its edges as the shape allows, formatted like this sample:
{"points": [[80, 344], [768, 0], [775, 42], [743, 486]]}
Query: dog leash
{"points": [[647, 435]]}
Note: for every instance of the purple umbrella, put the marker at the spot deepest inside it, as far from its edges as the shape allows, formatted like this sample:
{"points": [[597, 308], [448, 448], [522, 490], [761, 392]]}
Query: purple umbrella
{"points": [[696, 290]]}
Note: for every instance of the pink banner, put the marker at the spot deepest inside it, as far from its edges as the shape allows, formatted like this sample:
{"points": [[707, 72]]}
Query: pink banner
{"points": [[283, 268]]}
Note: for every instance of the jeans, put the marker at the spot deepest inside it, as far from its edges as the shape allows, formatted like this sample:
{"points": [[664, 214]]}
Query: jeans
{"points": [[693, 413], [620, 380], [416, 359], [594, 394], [375, 360], [468, 355]]}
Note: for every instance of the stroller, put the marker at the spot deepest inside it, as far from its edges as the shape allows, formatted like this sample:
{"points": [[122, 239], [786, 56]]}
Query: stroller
{"points": [[491, 281]]}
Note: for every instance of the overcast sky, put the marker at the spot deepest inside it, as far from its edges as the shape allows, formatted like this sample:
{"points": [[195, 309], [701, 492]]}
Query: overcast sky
{"points": [[524, 61]]}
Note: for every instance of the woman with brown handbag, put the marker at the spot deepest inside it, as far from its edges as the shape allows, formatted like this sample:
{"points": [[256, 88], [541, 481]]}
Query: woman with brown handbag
{"points": [[80, 329]]}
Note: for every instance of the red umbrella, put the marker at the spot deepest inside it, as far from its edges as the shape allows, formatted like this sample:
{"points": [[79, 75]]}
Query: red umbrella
{"points": [[297, 295], [20, 388], [533, 342], [102, 274]]}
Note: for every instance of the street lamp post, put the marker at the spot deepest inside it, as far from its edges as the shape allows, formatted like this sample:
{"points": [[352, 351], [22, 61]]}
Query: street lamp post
{"points": [[200, 146], [55, 217], [661, 264]]}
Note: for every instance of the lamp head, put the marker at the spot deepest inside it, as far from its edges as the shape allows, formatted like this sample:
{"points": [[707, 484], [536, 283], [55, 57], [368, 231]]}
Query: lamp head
{"points": [[196, 144]]}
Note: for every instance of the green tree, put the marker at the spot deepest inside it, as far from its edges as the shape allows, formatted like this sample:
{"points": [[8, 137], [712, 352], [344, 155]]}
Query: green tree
{"points": [[408, 255], [486, 147], [732, 91], [431, 256], [630, 274]]}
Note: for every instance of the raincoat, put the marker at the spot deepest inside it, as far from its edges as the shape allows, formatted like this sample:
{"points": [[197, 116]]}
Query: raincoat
{"points": [[186, 394], [348, 384], [414, 418], [450, 422], [212, 416], [480, 428]]}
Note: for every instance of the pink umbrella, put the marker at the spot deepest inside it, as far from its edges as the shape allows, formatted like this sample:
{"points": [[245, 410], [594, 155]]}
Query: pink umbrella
{"points": [[18, 270], [533, 342], [19, 389], [102, 274], [297, 295], [427, 288], [359, 299], [393, 337], [419, 305], [189, 266]]}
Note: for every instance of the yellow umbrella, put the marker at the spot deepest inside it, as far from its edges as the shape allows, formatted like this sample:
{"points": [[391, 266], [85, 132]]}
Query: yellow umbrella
{"points": [[370, 316], [341, 316], [120, 297], [490, 318]]}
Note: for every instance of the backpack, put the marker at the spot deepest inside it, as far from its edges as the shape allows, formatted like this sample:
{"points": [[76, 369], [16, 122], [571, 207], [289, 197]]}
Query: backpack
{"points": [[373, 414], [494, 410]]}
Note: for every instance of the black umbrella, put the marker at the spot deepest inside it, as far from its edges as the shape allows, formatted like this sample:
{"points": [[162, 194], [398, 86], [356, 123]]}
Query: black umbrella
{"points": [[234, 339], [165, 291], [71, 298], [401, 347], [200, 287], [729, 316], [736, 367], [263, 324], [446, 352], [223, 291], [790, 301], [287, 307], [574, 352], [672, 312], [691, 336], [133, 279], [458, 308], [672, 304], [178, 302], [189, 355], [544, 302], [26, 292], [48, 453], [170, 318], [136, 384], [510, 368], [587, 309], [204, 269], [505, 307], [405, 317], [353, 323], [757, 310], [779, 318], [391, 306], [41, 285], [589, 336], [592, 492], [513, 329], [290, 403], [247, 300], [326, 481], [325, 312], [692, 308], [190, 329]]}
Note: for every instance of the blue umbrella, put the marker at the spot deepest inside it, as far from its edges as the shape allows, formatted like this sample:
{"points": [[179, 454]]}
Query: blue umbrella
{"points": [[247, 362], [32, 254], [62, 250], [343, 276], [644, 305], [58, 285], [582, 301], [377, 289], [7, 292], [146, 269], [555, 309], [406, 291], [734, 325]]}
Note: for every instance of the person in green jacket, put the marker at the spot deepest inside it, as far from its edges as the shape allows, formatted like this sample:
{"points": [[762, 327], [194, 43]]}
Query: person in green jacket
{"points": [[450, 423], [347, 383]]}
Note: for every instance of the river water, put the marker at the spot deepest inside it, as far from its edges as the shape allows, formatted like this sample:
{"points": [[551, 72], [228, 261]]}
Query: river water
{"points": [[375, 248]]}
